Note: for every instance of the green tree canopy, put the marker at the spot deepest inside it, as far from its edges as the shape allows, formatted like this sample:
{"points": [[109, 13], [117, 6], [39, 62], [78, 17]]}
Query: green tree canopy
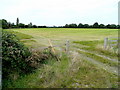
{"points": [[96, 25], [17, 22]]}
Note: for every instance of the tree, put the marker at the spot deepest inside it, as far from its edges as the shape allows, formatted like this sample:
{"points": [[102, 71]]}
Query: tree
{"points": [[118, 26], [102, 26], [17, 22], [72, 25], [80, 25], [90, 26], [13, 25], [113, 26], [5, 24], [30, 25], [21, 25], [9, 24], [96, 25], [86, 26], [66, 26], [26, 26], [42, 26], [108, 26], [34, 26]]}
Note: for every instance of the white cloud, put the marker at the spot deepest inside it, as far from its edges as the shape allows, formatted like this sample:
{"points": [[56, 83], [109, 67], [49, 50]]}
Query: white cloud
{"points": [[59, 12]]}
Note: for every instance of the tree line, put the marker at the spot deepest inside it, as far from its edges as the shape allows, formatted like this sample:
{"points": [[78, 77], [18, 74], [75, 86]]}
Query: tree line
{"points": [[6, 25], [95, 25]]}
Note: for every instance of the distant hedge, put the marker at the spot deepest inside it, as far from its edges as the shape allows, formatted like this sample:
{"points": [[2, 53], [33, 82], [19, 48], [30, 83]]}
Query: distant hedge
{"points": [[14, 55], [6, 25]]}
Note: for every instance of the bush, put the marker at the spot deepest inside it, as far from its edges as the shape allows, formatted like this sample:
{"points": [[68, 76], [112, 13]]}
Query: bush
{"points": [[18, 60], [14, 55]]}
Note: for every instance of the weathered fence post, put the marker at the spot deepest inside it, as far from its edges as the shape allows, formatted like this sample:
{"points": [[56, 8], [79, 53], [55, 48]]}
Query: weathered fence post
{"points": [[67, 46], [60, 52], [51, 46], [105, 43]]}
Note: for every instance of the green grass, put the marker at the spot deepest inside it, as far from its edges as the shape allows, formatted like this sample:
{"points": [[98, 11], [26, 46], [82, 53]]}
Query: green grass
{"points": [[41, 35], [100, 59], [26, 41], [25, 38], [96, 46], [66, 74], [69, 33], [69, 73], [89, 43], [21, 35], [60, 35]]}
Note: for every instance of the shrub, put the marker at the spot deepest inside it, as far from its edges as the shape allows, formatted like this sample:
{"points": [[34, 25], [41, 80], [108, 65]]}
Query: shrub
{"points": [[18, 60], [14, 55]]}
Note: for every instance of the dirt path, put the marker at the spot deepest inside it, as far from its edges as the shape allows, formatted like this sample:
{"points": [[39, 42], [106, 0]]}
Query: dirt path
{"points": [[108, 68], [99, 64], [103, 56], [113, 70]]}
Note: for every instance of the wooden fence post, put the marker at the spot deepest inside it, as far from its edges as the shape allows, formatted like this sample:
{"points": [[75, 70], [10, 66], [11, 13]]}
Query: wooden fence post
{"points": [[60, 52], [51, 46], [67, 46], [105, 43]]}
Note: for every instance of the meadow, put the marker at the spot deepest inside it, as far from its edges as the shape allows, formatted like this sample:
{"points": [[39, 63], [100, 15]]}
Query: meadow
{"points": [[88, 64]]}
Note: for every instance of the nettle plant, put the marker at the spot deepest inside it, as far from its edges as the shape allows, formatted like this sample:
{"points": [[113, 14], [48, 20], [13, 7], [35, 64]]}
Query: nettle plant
{"points": [[14, 55]]}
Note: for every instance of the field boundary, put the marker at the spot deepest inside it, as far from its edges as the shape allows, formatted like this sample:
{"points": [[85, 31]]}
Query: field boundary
{"points": [[53, 50], [110, 43]]}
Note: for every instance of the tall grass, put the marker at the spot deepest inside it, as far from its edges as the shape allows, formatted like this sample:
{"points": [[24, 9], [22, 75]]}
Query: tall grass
{"points": [[73, 71], [67, 74]]}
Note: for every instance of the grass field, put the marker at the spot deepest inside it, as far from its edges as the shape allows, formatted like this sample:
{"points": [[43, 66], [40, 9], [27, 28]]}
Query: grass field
{"points": [[89, 65], [42, 35]]}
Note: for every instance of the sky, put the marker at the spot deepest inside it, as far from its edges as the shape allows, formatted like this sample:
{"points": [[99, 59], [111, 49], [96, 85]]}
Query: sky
{"points": [[60, 12]]}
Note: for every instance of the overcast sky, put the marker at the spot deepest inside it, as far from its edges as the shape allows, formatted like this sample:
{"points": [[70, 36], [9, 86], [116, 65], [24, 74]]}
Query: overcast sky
{"points": [[60, 12]]}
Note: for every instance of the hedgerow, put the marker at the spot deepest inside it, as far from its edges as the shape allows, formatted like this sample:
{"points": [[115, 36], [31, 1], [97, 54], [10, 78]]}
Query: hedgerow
{"points": [[14, 55]]}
